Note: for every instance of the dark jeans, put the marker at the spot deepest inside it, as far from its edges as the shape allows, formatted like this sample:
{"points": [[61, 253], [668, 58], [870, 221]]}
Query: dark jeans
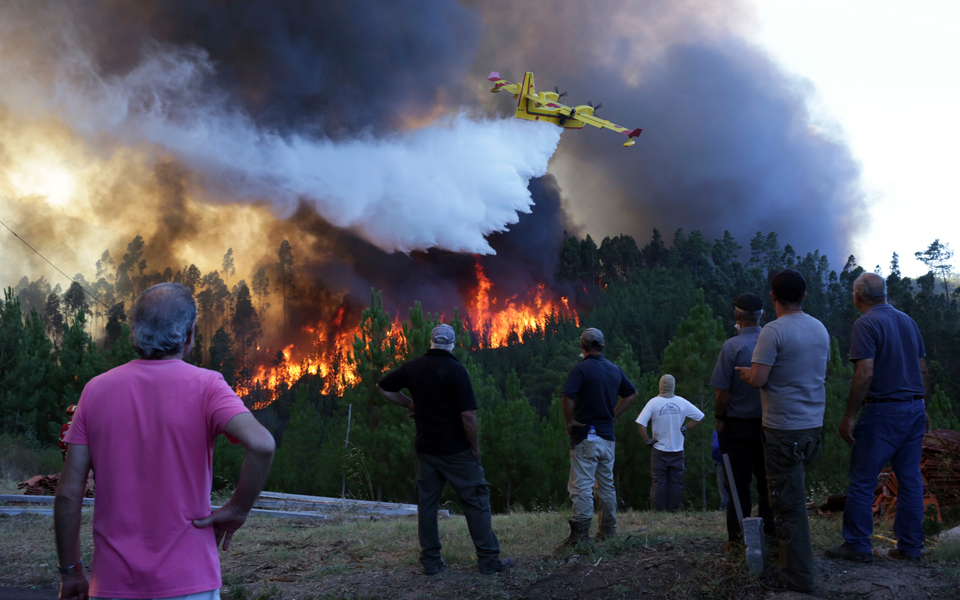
{"points": [[740, 441], [666, 493], [465, 474], [788, 453], [887, 432]]}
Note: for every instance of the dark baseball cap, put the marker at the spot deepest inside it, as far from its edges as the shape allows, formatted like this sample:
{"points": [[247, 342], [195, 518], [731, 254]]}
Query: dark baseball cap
{"points": [[748, 301], [592, 338], [788, 285], [443, 334]]}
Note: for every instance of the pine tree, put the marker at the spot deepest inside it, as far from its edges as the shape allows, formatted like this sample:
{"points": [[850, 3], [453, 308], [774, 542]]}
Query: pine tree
{"points": [[261, 287], [937, 258], [227, 267], [245, 323], [285, 275], [221, 357]]}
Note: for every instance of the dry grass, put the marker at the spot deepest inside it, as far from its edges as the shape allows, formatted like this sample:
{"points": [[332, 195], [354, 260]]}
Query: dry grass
{"points": [[354, 557]]}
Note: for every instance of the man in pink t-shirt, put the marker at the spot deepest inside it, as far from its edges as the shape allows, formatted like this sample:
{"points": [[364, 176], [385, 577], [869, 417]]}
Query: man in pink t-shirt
{"points": [[147, 428]]}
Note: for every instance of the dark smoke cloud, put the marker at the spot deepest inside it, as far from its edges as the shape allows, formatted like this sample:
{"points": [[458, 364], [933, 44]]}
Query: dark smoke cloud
{"points": [[330, 67], [335, 67], [728, 142], [527, 255]]}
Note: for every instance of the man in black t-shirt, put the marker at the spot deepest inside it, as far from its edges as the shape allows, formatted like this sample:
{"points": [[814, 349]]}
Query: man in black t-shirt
{"points": [[445, 412], [595, 394]]}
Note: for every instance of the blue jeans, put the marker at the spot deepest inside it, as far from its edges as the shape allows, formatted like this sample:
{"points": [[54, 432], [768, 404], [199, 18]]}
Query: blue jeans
{"points": [[891, 431]]}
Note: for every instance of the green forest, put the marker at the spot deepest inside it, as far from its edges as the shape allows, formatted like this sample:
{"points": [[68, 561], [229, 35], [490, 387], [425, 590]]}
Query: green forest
{"points": [[663, 309]]}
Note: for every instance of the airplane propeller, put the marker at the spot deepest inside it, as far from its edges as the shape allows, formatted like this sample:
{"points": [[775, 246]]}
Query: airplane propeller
{"points": [[556, 89], [595, 108]]}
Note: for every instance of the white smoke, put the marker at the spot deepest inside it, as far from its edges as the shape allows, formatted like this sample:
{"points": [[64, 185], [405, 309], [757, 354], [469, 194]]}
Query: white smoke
{"points": [[445, 186]]}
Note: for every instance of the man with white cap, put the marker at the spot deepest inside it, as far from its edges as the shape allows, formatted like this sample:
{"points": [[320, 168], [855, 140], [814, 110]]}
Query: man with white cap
{"points": [[666, 414], [590, 408], [445, 412]]}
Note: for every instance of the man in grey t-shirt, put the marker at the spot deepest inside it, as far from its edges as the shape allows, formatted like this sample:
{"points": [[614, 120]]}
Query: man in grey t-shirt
{"points": [[789, 365]]}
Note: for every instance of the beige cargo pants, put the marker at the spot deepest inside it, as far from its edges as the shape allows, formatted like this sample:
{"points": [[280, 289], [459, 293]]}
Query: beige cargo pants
{"points": [[591, 468]]}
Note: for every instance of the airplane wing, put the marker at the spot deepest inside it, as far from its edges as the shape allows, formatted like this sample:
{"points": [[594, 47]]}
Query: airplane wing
{"points": [[572, 115], [599, 123]]}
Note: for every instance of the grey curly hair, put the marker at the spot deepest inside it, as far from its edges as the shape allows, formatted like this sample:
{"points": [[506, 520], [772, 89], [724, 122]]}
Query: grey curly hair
{"points": [[162, 317]]}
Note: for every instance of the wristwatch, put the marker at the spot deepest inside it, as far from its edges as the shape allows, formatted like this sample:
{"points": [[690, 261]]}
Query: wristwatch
{"points": [[75, 568]]}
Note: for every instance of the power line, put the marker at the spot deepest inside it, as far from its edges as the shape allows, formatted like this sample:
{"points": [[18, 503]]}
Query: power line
{"points": [[88, 292]]}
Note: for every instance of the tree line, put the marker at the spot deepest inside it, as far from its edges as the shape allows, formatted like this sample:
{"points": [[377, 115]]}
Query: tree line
{"points": [[663, 309]]}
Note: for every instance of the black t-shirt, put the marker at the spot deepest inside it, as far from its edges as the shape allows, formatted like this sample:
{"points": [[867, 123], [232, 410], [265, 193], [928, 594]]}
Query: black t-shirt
{"points": [[441, 390], [594, 384]]}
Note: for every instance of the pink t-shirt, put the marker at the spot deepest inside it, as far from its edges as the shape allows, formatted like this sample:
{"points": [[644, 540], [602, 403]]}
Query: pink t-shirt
{"points": [[150, 426]]}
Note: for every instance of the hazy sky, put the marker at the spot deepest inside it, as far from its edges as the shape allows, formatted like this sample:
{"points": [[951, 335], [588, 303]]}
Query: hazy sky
{"points": [[887, 78]]}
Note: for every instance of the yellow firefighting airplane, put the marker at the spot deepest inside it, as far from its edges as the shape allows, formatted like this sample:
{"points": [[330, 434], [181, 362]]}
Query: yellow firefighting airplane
{"points": [[545, 106]]}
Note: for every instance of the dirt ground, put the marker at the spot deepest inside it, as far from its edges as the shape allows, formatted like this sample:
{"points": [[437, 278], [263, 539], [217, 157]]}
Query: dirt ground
{"points": [[695, 570], [655, 556]]}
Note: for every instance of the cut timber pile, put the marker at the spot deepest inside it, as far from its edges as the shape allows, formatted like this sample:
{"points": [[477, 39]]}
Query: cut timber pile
{"points": [[940, 469], [295, 502], [46, 485]]}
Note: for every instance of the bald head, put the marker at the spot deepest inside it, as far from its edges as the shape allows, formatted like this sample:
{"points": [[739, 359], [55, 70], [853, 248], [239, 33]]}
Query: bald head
{"points": [[871, 288]]}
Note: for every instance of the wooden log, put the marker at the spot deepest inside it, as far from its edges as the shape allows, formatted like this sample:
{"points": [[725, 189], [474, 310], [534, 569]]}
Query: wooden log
{"points": [[284, 514], [37, 499], [324, 499], [321, 503], [48, 512]]}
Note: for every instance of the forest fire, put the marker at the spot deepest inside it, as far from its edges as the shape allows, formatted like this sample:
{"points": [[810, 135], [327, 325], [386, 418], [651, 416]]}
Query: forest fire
{"points": [[491, 322]]}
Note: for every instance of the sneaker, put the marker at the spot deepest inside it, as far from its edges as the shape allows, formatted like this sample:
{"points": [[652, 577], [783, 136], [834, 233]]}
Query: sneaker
{"points": [[847, 553], [895, 553], [440, 566], [503, 565]]}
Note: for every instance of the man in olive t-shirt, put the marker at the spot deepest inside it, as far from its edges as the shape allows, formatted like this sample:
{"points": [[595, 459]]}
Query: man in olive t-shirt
{"points": [[789, 365]]}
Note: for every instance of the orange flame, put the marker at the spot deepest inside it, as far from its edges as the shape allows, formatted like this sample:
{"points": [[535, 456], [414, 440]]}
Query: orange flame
{"points": [[491, 320], [494, 322]]}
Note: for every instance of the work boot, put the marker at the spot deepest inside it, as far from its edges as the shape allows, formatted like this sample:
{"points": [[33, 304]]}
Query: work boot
{"points": [[579, 532], [847, 553]]}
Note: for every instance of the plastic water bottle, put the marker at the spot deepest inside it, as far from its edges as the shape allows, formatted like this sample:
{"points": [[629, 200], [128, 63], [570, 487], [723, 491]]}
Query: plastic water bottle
{"points": [[592, 434]]}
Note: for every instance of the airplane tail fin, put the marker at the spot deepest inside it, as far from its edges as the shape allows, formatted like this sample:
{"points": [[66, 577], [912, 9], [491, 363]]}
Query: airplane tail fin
{"points": [[526, 87]]}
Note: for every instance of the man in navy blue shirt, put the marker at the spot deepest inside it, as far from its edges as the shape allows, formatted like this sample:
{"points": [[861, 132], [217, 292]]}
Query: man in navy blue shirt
{"points": [[595, 394], [892, 385], [738, 413]]}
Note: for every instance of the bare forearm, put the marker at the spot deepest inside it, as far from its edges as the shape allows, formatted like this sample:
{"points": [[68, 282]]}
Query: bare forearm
{"points": [[68, 504], [398, 398], [927, 383], [643, 433], [471, 428], [720, 402], [691, 424], [253, 476], [567, 405], [66, 524], [862, 376], [624, 405]]}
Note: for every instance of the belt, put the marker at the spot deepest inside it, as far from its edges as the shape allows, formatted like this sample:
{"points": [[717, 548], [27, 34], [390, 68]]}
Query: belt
{"points": [[885, 400]]}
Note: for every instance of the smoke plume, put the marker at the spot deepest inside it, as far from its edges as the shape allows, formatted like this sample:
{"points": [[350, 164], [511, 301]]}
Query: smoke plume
{"points": [[355, 131], [445, 186]]}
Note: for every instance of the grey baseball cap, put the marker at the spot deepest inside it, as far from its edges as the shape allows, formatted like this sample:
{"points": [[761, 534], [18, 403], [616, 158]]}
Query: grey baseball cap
{"points": [[443, 334], [592, 338]]}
